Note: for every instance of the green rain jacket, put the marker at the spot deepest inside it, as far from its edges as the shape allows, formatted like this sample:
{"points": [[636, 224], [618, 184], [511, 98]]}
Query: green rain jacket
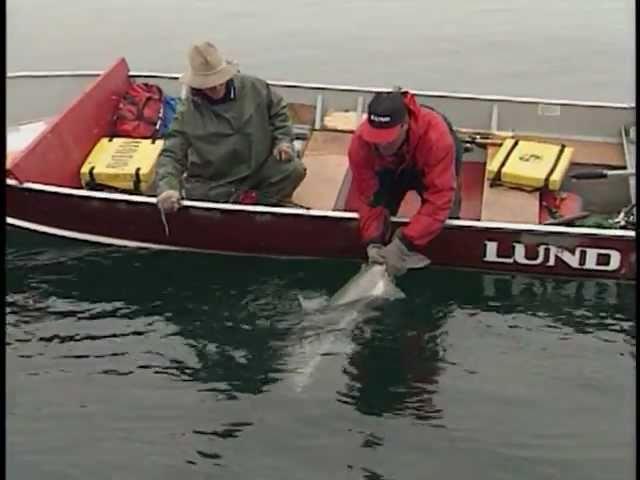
{"points": [[220, 146]]}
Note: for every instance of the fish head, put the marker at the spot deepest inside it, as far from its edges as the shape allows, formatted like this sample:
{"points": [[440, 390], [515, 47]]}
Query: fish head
{"points": [[370, 283]]}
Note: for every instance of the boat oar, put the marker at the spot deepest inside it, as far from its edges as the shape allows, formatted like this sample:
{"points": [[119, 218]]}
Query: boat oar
{"points": [[483, 142], [599, 174]]}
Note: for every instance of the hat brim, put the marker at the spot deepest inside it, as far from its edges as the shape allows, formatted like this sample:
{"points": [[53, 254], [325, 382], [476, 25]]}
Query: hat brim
{"points": [[193, 80], [379, 135]]}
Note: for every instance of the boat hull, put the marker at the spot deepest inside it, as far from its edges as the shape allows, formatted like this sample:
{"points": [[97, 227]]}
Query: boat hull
{"points": [[134, 221]]}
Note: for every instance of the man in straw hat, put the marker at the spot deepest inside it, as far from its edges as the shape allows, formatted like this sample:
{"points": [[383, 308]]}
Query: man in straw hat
{"points": [[230, 141], [404, 146]]}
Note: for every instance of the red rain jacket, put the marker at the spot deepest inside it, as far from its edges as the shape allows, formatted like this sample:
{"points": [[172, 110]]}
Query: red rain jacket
{"points": [[430, 150]]}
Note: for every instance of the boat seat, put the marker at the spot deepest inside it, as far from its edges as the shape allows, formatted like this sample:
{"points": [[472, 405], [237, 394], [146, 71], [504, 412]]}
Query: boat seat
{"points": [[587, 152], [342, 121], [471, 207], [504, 204], [325, 157]]}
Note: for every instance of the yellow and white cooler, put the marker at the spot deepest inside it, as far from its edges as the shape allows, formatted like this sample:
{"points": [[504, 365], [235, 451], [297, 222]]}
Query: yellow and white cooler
{"points": [[126, 164], [529, 165]]}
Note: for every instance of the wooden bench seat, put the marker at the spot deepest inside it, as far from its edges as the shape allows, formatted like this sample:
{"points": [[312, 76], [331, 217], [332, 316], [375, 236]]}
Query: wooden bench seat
{"points": [[325, 157], [588, 152], [503, 204]]}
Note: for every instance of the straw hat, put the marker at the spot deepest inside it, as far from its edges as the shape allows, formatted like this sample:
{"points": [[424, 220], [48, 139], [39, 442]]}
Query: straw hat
{"points": [[207, 68]]}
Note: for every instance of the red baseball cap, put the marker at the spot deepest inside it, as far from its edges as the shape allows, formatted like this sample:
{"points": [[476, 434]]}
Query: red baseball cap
{"points": [[385, 114]]}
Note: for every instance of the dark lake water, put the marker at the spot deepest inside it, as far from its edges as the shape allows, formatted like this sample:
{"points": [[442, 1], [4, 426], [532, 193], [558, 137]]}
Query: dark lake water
{"points": [[156, 365], [129, 364]]}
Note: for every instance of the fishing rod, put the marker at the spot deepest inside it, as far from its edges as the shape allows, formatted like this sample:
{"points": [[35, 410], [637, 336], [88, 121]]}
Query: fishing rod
{"points": [[601, 173]]}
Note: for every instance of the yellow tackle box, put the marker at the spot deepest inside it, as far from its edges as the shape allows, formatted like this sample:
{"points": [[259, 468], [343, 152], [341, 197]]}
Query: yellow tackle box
{"points": [[529, 165], [122, 163]]}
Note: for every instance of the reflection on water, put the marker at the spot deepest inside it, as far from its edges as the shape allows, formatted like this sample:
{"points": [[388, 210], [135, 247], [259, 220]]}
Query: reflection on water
{"points": [[395, 367], [207, 348]]}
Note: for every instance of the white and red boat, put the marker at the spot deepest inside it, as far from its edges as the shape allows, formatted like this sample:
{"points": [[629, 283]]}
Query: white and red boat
{"points": [[499, 229]]}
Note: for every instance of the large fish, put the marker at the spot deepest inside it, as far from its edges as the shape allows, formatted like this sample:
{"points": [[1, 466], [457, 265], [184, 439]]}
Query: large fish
{"points": [[325, 319], [371, 283]]}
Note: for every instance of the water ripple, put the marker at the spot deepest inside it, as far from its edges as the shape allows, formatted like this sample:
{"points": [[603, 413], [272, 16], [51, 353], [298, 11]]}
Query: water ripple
{"points": [[161, 345]]}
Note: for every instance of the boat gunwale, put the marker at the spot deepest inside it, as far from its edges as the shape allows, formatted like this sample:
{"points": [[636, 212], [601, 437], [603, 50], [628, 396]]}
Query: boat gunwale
{"points": [[338, 88], [261, 209], [113, 241]]}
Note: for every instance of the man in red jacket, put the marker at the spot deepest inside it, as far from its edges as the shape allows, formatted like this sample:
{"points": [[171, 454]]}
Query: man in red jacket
{"points": [[403, 146]]}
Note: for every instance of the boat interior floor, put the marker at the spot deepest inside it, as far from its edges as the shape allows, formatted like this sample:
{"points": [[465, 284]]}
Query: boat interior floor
{"points": [[328, 183]]}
